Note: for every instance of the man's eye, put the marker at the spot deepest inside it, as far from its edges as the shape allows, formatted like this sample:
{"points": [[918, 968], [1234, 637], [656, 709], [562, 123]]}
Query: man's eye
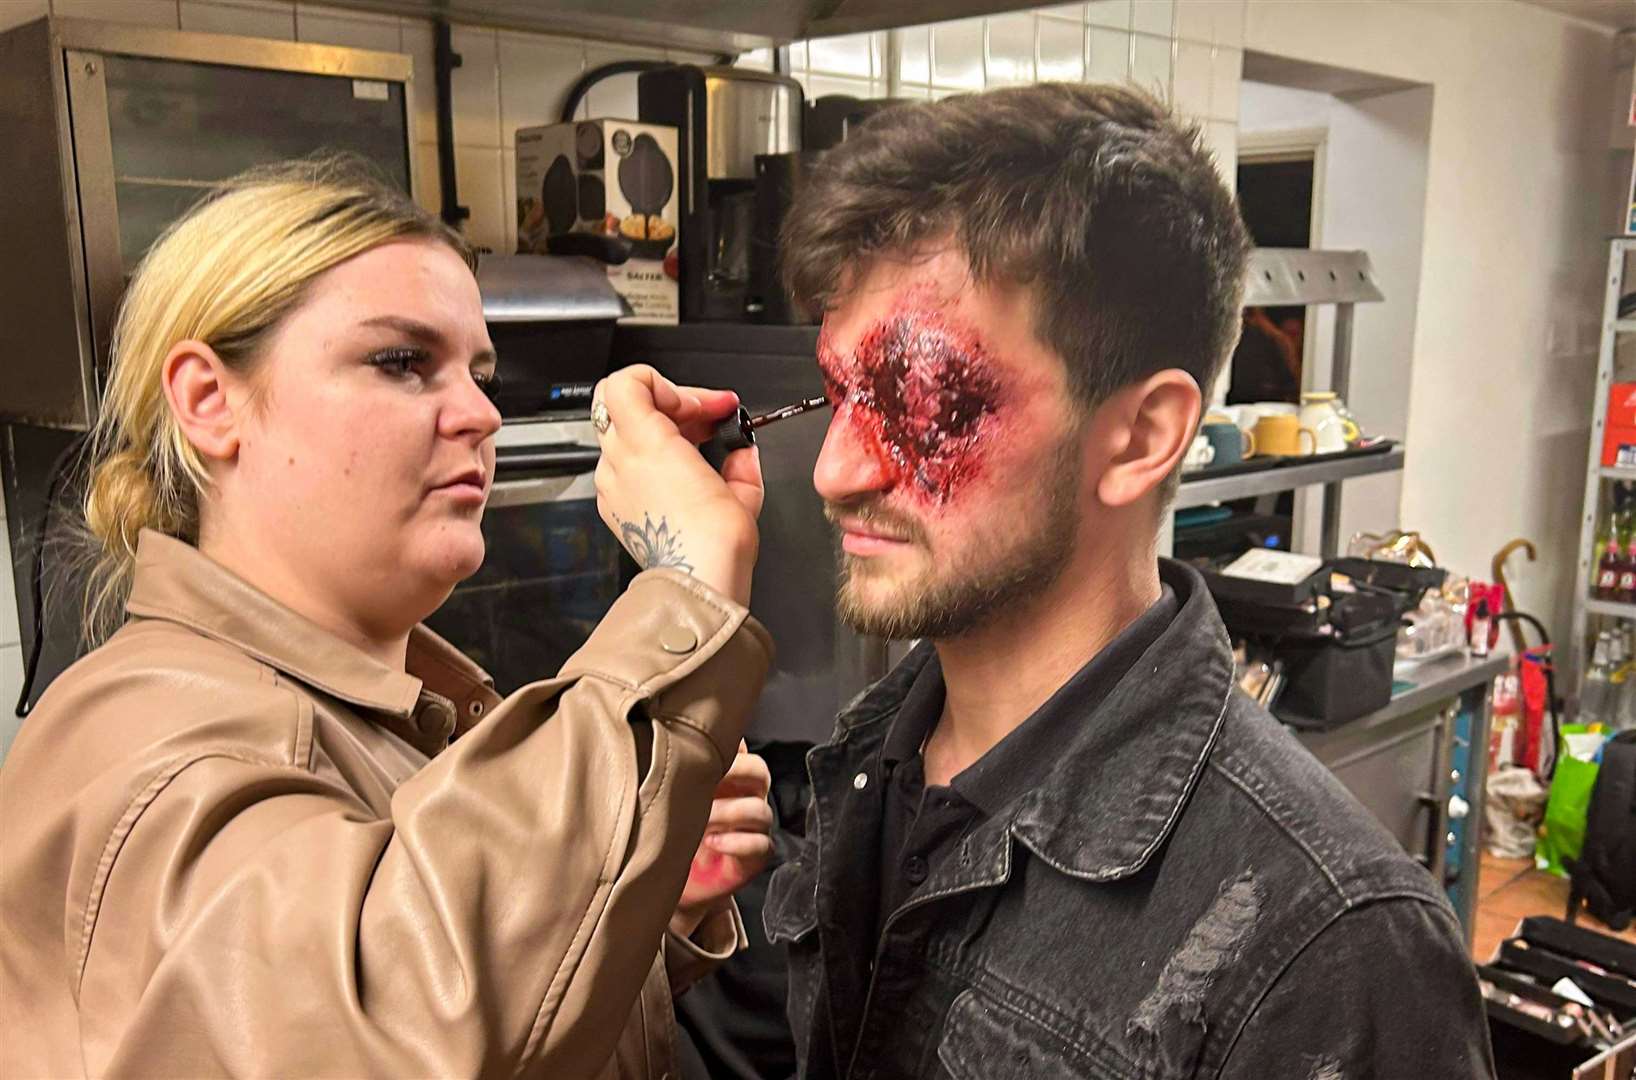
{"points": [[400, 361]]}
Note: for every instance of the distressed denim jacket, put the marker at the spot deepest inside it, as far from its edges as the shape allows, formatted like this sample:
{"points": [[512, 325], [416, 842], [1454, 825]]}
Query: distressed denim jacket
{"points": [[1185, 893]]}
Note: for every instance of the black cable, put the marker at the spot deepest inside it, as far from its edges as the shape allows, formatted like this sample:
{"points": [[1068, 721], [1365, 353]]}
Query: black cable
{"points": [[577, 92], [59, 471]]}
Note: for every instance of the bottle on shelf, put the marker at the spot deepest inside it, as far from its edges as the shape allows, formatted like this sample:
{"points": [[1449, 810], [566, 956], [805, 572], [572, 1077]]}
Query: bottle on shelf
{"points": [[1609, 553], [1595, 699]]}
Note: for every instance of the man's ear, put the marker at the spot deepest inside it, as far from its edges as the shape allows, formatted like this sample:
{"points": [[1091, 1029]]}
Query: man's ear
{"points": [[196, 384], [1150, 426]]}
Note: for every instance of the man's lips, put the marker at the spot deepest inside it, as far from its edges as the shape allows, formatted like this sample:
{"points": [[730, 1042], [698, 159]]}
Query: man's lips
{"points": [[859, 538]]}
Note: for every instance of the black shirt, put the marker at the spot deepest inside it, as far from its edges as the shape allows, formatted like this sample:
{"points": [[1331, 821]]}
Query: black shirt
{"points": [[920, 825]]}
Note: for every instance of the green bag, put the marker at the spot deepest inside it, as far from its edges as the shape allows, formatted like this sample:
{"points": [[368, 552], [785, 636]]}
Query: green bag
{"points": [[1563, 834]]}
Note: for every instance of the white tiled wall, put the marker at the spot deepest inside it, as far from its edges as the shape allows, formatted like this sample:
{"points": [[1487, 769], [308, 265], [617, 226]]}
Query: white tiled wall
{"points": [[1189, 52]]}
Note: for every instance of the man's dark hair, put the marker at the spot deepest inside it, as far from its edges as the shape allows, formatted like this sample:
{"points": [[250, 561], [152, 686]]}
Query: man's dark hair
{"points": [[1094, 196]]}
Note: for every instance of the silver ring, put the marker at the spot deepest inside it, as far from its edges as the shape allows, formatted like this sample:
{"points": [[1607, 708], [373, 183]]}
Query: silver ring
{"points": [[599, 418]]}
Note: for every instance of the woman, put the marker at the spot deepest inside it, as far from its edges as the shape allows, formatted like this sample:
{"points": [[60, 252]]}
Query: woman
{"points": [[237, 838]]}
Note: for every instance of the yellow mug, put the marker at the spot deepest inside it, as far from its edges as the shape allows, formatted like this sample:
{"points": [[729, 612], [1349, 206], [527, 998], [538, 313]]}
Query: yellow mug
{"points": [[1280, 434]]}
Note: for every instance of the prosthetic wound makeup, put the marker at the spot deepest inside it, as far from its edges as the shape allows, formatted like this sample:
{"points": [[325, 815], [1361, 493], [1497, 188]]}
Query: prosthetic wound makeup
{"points": [[921, 392]]}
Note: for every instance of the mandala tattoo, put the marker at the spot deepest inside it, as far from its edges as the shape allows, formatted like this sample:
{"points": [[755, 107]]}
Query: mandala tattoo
{"points": [[653, 545]]}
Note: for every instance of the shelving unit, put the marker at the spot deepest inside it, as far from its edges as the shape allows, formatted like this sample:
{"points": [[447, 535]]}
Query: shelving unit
{"points": [[1288, 277], [1597, 475]]}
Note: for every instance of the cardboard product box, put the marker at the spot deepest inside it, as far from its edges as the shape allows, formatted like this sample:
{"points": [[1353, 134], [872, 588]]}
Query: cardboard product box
{"points": [[1619, 446], [1622, 405], [613, 178]]}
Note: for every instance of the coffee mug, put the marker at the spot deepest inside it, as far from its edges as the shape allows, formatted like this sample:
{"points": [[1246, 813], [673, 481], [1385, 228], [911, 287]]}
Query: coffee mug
{"points": [[1232, 445], [1281, 434]]}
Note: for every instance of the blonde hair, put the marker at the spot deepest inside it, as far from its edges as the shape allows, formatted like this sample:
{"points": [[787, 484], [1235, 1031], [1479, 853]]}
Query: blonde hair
{"points": [[226, 274]]}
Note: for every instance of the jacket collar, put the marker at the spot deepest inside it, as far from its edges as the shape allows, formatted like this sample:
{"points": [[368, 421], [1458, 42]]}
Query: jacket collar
{"points": [[440, 694], [1105, 804]]}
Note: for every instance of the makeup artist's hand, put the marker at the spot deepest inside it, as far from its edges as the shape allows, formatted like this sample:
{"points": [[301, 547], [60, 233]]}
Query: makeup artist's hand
{"points": [[663, 501], [736, 844]]}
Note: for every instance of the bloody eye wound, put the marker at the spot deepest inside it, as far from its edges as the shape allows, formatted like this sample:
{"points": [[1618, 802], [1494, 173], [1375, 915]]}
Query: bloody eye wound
{"points": [[923, 393]]}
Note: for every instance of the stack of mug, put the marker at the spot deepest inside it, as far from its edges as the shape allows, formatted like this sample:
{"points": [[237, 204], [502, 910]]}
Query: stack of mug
{"points": [[1232, 433]]}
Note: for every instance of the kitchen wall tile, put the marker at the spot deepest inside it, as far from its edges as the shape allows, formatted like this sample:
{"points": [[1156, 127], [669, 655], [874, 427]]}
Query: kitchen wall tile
{"points": [[16, 12], [755, 60], [798, 56], [849, 55], [823, 85], [428, 181], [690, 56], [11, 684], [323, 25], [1107, 55], [1071, 12], [1009, 50], [419, 44], [1222, 139], [957, 54], [536, 73], [476, 87], [146, 12], [1229, 22], [1113, 14], [940, 92], [508, 197], [1196, 20], [477, 173], [1150, 65], [1153, 17], [1191, 80], [615, 96], [1062, 51], [1226, 72], [805, 80], [914, 45], [913, 92], [274, 19]]}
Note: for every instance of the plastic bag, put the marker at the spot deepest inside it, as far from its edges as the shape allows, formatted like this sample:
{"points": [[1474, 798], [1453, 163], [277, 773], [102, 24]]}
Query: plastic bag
{"points": [[1564, 833], [1516, 803]]}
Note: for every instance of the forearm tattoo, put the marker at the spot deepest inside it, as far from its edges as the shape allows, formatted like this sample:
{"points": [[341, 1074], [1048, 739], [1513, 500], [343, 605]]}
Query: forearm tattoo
{"points": [[653, 546]]}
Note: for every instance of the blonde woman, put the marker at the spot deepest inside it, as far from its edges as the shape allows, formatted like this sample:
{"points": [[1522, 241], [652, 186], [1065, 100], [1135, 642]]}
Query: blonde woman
{"points": [[275, 827]]}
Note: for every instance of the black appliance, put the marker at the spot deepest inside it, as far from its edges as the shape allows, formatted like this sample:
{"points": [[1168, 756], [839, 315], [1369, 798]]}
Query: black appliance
{"points": [[831, 119], [779, 178], [724, 117]]}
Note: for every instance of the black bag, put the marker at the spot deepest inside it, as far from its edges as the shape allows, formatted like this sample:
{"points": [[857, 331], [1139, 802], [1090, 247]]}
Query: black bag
{"points": [[1604, 875]]}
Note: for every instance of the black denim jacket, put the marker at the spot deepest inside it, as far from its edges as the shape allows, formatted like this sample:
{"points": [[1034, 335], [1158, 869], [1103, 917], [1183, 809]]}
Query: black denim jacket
{"points": [[1187, 893]]}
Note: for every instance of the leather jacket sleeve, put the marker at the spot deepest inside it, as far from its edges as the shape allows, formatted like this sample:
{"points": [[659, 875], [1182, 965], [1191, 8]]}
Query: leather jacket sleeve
{"points": [[256, 918]]}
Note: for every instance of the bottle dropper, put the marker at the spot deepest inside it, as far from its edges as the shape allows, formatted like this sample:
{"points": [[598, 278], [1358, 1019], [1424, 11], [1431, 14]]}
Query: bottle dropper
{"points": [[739, 430]]}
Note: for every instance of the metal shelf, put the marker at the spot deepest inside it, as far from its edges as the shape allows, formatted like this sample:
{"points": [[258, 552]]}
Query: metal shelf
{"points": [[1286, 277], [1202, 490], [1611, 608], [1615, 472], [1625, 326]]}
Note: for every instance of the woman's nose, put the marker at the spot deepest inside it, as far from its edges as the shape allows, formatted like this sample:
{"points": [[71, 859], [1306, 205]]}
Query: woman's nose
{"points": [[850, 463], [469, 412]]}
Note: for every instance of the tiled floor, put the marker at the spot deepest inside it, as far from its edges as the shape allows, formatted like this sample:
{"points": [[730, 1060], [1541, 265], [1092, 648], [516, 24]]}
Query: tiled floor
{"points": [[1508, 890]]}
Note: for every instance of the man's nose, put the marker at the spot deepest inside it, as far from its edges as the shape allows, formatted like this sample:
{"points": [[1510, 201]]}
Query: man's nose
{"points": [[850, 463]]}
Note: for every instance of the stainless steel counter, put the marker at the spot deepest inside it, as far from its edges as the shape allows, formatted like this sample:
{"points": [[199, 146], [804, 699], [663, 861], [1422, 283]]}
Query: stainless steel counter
{"points": [[1419, 765]]}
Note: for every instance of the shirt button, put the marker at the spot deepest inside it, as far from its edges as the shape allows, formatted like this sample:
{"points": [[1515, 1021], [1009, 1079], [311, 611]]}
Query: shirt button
{"points": [[860, 781], [678, 640], [914, 868]]}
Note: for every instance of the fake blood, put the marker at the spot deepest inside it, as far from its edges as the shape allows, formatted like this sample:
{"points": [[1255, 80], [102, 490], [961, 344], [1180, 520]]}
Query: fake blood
{"points": [[922, 394]]}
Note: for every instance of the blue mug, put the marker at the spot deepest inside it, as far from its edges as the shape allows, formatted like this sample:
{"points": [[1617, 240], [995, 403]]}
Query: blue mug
{"points": [[1232, 443]]}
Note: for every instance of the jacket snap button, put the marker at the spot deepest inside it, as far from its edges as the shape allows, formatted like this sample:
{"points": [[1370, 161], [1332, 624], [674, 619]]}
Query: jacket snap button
{"points": [[860, 781], [475, 708], [678, 639]]}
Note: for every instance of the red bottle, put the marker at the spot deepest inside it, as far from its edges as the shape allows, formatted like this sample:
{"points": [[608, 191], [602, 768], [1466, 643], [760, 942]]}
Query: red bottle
{"points": [[1627, 575]]}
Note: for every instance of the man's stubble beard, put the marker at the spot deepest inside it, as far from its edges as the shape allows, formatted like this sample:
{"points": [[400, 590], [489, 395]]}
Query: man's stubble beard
{"points": [[984, 584]]}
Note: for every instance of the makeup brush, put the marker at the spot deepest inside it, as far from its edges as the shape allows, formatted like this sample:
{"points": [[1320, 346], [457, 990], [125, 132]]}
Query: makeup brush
{"points": [[739, 430]]}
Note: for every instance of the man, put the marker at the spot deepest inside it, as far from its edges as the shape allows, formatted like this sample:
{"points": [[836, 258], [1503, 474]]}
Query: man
{"points": [[1056, 841]]}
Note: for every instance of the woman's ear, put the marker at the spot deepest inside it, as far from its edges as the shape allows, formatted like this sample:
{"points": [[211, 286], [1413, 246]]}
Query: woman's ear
{"points": [[1157, 418], [196, 383]]}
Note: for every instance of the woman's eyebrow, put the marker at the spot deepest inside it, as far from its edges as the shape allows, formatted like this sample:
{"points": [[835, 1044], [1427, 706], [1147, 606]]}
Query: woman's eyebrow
{"points": [[425, 333]]}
